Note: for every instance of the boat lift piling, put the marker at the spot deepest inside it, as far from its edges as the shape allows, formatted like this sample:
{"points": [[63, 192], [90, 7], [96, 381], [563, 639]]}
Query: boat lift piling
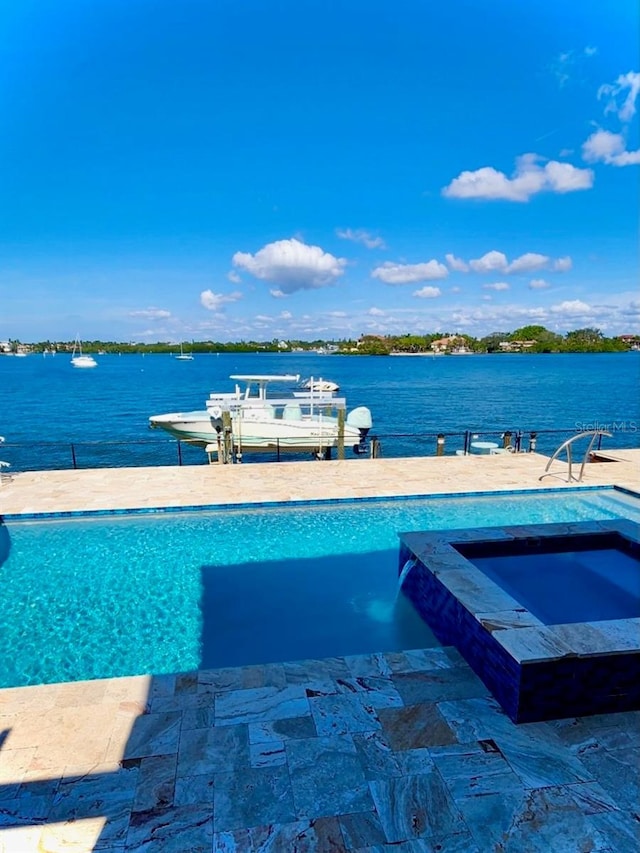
{"points": [[229, 445]]}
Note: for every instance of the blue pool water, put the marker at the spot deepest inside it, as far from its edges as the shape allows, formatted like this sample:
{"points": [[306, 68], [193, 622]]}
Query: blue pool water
{"points": [[107, 596], [569, 586]]}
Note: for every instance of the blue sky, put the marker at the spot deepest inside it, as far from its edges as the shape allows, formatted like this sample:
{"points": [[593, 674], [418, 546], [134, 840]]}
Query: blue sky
{"points": [[252, 170]]}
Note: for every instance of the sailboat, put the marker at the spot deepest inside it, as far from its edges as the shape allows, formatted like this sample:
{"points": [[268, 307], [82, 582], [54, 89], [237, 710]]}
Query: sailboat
{"points": [[184, 356], [81, 360]]}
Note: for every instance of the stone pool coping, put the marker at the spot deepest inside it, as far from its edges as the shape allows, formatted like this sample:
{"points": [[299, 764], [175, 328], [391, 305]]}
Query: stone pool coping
{"points": [[536, 671]]}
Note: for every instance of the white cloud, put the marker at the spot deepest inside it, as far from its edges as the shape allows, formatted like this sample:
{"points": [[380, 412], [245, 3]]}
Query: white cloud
{"points": [[233, 276], [427, 292], [286, 315], [490, 262], [359, 235], [151, 314], [215, 301], [565, 178], [566, 64], [528, 262], [562, 264], [456, 264], [336, 313], [276, 293], [538, 284], [528, 179], [629, 83], [391, 273], [573, 308], [292, 265], [375, 312], [498, 285], [610, 148]]}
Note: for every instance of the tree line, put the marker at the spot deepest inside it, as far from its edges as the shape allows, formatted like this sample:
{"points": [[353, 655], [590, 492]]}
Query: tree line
{"points": [[527, 339]]}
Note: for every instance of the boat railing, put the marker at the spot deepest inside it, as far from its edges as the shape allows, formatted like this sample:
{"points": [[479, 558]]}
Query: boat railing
{"points": [[313, 401], [593, 435]]}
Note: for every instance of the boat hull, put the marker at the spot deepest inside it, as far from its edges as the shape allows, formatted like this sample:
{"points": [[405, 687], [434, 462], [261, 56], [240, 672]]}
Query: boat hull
{"points": [[255, 434], [83, 361]]}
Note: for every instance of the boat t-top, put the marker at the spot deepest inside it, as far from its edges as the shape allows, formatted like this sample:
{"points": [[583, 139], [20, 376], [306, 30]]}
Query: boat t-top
{"points": [[314, 421]]}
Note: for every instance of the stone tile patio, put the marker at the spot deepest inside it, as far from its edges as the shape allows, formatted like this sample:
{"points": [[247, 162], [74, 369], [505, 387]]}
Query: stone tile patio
{"points": [[399, 752]]}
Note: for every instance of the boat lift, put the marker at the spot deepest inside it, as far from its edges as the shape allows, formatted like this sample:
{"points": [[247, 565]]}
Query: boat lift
{"points": [[234, 407]]}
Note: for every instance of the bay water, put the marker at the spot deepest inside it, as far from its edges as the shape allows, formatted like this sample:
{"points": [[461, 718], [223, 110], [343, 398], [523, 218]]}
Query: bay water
{"points": [[55, 416]]}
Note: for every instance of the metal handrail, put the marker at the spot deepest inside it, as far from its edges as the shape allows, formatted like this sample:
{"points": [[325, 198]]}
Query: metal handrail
{"points": [[567, 445]]}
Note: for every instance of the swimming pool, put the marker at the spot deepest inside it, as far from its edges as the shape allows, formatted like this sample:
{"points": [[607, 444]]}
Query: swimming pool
{"points": [[94, 597]]}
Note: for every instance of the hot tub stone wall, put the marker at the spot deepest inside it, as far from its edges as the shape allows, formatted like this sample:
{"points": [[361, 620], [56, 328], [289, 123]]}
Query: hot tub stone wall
{"points": [[542, 672]]}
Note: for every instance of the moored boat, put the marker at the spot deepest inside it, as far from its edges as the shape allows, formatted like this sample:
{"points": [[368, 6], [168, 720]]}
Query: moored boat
{"points": [[184, 356], [78, 359], [315, 421], [322, 385]]}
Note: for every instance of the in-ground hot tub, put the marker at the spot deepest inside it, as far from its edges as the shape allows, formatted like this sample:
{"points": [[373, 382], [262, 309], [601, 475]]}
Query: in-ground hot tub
{"points": [[547, 615], [562, 579]]}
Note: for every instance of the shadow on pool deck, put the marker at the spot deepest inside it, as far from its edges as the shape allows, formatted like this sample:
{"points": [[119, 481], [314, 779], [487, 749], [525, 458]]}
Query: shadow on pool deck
{"points": [[337, 754]]}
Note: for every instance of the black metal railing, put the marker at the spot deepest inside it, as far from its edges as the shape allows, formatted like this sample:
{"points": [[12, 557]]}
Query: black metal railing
{"points": [[166, 451]]}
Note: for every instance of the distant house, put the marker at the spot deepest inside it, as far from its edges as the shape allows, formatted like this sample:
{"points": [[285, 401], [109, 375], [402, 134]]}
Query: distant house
{"points": [[632, 341], [516, 346], [368, 338], [448, 343]]}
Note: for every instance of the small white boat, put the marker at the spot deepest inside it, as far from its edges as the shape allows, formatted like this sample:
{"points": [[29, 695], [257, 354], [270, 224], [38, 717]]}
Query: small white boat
{"points": [[305, 421], [184, 356], [322, 385], [80, 360]]}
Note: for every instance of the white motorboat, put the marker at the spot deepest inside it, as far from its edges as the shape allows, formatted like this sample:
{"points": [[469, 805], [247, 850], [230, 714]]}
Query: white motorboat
{"points": [[309, 421], [322, 385], [80, 360]]}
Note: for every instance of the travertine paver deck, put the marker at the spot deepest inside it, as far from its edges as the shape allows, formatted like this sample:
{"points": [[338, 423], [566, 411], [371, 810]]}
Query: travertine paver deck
{"points": [[398, 752], [402, 752], [103, 488]]}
